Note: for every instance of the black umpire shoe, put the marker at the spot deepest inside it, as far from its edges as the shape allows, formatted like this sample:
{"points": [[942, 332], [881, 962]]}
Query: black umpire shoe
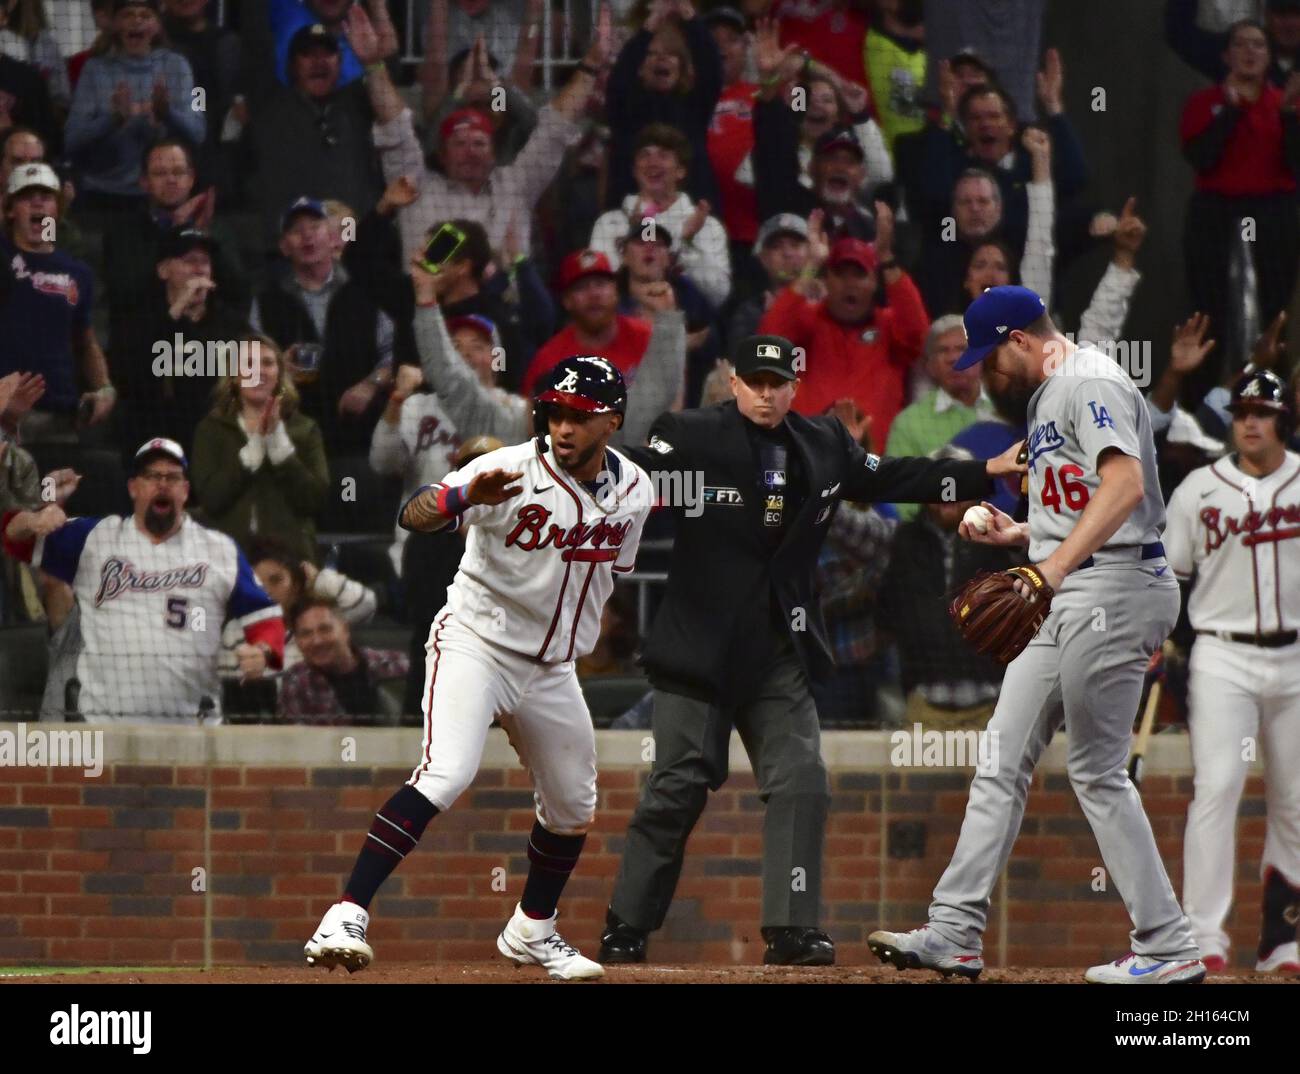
{"points": [[620, 942], [793, 946]]}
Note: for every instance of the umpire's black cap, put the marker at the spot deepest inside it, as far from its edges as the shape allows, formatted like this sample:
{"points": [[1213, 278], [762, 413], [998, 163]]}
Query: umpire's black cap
{"points": [[765, 354]]}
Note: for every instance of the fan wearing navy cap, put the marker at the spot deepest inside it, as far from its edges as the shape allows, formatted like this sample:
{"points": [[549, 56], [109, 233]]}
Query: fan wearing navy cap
{"points": [[1096, 516], [339, 343], [312, 136], [739, 636], [144, 584], [838, 166]]}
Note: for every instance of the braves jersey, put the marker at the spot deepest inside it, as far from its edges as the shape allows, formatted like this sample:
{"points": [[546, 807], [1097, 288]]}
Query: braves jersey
{"points": [[151, 614], [1088, 405], [539, 567], [1240, 536], [421, 448], [49, 300]]}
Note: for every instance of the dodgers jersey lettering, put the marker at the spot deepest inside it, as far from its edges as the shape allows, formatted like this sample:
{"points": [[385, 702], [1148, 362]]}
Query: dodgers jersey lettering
{"points": [[1089, 405], [538, 568], [151, 615], [1240, 536]]}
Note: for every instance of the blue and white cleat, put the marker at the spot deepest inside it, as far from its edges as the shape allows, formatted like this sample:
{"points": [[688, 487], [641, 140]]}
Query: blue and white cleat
{"points": [[925, 949], [1143, 969]]}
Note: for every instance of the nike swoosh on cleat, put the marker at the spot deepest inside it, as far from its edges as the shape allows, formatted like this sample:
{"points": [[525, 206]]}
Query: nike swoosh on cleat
{"points": [[1134, 971]]}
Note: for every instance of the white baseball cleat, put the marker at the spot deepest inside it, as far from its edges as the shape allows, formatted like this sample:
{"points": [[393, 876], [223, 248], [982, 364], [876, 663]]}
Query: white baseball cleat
{"points": [[531, 942], [1284, 958], [1143, 969], [340, 939]]}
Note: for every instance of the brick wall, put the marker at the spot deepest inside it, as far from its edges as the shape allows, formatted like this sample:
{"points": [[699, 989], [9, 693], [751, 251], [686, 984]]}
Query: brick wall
{"points": [[100, 870]]}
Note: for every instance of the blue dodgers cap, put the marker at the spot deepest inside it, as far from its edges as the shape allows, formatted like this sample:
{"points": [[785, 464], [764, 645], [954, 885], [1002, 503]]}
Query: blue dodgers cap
{"points": [[997, 312]]}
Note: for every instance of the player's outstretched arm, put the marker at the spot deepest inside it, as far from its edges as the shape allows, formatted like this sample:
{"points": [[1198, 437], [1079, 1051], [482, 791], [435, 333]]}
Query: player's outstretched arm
{"points": [[436, 506]]}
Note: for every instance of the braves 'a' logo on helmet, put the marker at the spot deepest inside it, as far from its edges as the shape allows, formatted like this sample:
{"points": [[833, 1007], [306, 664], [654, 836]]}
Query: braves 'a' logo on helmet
{"points": [[1264, 389]]}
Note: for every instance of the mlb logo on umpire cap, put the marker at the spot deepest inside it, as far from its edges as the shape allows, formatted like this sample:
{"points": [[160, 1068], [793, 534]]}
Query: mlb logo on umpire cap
{"points": [[765, 354]]}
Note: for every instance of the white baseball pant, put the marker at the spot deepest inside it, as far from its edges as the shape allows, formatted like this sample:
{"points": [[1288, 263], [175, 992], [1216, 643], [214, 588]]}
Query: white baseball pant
{"points": [[1244, 700], [469, 682]]}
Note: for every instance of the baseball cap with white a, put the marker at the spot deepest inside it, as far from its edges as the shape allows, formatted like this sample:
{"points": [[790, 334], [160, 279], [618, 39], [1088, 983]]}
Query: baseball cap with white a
{"points": [[992, 317], [26, 176]]}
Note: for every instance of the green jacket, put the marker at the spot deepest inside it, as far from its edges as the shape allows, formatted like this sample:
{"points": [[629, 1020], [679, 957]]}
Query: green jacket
{"points": [[921, 429], [276, 499]]}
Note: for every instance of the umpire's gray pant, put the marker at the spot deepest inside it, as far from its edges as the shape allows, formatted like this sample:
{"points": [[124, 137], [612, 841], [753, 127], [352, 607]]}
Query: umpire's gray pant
{"points": [[782, 737]]}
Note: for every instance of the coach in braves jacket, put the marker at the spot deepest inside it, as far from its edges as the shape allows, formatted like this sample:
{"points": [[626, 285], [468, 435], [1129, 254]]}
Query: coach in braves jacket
{"points": [[739, 637]]}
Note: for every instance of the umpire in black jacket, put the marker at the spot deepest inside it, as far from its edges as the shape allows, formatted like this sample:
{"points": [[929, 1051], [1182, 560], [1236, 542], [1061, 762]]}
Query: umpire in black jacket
{"points": [[739, 637]]}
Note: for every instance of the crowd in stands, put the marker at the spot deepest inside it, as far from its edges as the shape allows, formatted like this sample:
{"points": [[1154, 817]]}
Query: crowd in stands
{"points": [[213, 190]]}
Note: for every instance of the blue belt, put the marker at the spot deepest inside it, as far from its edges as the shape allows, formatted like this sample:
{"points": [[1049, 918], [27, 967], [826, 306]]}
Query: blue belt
{"points": [[1154, 550]]}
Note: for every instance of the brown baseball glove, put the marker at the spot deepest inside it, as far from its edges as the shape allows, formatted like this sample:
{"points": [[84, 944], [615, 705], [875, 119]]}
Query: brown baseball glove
{"points": [[994, 618]]}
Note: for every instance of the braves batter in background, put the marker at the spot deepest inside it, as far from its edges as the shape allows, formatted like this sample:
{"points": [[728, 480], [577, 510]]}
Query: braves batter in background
{"points": [[1095, 521], [1234, 533], [551, 521]]}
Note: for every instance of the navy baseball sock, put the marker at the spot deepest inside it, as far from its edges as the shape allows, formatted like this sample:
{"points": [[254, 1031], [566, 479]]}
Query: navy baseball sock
{"points": [[1281, 912], [397, 828], [552, 859]]}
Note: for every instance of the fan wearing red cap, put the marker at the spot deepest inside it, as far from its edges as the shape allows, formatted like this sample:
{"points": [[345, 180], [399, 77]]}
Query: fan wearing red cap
{"points": [[460, 188], [589, 295], [853, 347]]}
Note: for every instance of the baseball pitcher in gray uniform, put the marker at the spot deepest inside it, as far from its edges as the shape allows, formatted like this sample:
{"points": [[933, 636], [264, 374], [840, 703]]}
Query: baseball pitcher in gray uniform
{"points": [[1095, 520]]}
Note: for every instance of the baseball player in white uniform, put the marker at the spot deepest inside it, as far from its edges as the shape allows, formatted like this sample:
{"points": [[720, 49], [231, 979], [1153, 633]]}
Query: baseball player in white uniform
{"points": [[153, 591], [551, 522], [1095, 520], [1234, 532]]}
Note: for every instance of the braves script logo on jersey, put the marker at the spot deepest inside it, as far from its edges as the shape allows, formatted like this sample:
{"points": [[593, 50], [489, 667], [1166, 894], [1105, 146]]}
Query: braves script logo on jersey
{"points": [[1044, 438], [1259, 527], [532, 533], [48, 283], [117, 576], [430, 434]]}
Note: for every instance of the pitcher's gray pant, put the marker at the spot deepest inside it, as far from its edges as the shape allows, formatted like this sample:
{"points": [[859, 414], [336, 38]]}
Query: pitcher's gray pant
{"points": [[1085, 668], [781, 734]]}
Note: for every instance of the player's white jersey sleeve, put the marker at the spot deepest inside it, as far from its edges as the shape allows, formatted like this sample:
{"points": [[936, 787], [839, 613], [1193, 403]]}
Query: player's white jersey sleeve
{"points": [[1180, 525], [639, 489]]}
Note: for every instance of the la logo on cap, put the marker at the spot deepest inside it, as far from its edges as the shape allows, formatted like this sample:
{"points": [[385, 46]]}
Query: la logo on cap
{"points": [[768, 350], [1001, 328]]}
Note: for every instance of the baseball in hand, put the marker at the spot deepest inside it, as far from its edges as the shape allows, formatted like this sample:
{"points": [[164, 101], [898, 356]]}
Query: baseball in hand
{"points": [[978, 519]]}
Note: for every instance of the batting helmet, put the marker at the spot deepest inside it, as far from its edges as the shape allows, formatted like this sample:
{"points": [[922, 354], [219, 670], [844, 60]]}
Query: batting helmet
{"points": [[1266, 390], [583, 382]]}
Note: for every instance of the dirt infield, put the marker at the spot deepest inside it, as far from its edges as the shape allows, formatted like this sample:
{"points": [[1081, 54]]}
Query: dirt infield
{"points": [[498, 973]]}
